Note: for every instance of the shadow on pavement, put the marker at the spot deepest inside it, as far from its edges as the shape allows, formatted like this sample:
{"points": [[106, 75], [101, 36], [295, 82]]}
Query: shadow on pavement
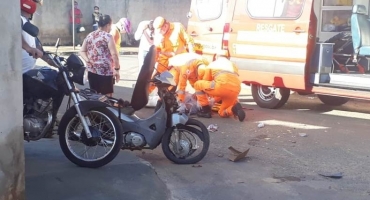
{"points": [[49, 175]]}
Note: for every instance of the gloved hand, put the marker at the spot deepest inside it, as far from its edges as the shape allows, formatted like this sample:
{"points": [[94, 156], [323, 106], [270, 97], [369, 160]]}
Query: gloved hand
{"points": [[182, 108]]}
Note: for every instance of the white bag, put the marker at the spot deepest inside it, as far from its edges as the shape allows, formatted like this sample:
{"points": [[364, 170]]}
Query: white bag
{"points": [[153, 98]]}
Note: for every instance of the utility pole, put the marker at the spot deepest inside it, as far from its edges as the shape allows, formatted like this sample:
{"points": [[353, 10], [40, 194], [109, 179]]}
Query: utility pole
{"points": [[73, 24]]}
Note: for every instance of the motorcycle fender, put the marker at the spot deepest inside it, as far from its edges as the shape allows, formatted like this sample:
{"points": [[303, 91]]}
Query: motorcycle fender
{"points": [[178, 118], [86, 106]]}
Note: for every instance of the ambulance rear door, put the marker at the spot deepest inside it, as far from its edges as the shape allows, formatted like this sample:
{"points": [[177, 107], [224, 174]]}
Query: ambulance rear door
{"points": [[206, 22], [268, 41]]}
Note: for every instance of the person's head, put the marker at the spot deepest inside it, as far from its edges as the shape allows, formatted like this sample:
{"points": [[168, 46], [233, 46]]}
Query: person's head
{"points": [[124, 25], [96, 9], [28, 7], [105, 23], [75, 4], [160, 25]]}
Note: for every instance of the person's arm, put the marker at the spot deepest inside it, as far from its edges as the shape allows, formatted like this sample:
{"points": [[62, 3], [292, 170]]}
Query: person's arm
{"points": [[140, 30], [188, 40], [83, 52], [93, 18], [79, 14], [183, 79], [113, 31], [34, 52], [114, 53]]}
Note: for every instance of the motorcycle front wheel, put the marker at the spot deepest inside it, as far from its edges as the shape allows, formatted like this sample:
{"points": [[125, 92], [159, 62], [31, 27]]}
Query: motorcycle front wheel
{"points": [[107, 135], [192, 138]]}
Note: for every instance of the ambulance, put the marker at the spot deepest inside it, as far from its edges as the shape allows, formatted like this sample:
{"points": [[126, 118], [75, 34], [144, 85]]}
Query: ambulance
{"points": [[307, 46]]}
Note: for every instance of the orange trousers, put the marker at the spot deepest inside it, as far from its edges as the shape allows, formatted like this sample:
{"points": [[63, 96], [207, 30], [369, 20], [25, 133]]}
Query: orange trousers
{"points": [[226, 92]]}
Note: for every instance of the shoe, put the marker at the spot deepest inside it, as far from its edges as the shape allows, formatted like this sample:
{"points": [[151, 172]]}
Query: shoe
{"points": [[238, 111], [205, 112]]}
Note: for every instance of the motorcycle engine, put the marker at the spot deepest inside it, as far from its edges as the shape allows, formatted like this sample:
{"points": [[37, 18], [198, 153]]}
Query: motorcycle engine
{"points": [[33, 125], [135, 139]]}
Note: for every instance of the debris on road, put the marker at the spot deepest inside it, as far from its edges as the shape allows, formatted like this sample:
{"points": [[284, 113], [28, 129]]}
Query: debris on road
{"points": [[261, 125], [332, 175], [288, 152], [220, 155], [303, 134], [196, 165], [272, 180], [212, 128], [237, 155]]}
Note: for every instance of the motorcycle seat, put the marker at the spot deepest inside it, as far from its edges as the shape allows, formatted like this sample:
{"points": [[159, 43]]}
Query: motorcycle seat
{"points": [[125, 107], [128, 110]]}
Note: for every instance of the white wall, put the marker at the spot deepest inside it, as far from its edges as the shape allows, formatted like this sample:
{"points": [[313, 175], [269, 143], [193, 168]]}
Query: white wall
{"points": [[11, 122]]}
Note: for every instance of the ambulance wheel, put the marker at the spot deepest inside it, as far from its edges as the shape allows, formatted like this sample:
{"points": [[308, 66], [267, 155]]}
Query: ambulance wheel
{"points": [[332, 100], [270, 97]]}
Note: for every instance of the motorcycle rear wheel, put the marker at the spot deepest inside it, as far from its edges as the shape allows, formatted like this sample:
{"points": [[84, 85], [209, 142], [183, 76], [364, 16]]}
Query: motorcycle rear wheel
{"points": [[201, 131], [71, 118]]}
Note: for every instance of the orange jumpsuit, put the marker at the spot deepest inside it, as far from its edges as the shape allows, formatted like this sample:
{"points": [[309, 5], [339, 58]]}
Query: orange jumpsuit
{"points": [[185, 68], [174, 42], [220, 79]]}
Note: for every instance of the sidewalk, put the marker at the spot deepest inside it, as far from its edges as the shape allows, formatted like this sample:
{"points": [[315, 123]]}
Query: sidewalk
{"points": [[70, 49]]}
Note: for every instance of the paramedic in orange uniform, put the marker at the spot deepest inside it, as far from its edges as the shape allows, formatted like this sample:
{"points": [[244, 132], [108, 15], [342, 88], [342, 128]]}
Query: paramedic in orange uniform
{"points": [[171, 39], [184, 68], [220, 79]]}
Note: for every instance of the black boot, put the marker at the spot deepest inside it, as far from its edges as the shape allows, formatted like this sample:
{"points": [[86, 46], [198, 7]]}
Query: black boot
{"points": [[205, 112], [238, 111], [158, 106]]}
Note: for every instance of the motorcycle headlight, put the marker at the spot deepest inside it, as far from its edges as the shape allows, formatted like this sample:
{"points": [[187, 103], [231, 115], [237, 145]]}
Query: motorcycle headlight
{"points": [[76, 69], [79, 75]]}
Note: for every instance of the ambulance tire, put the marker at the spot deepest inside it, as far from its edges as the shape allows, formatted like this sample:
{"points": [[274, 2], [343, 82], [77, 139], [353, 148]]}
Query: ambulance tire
{"points": [[268, 97], [332, 100]]}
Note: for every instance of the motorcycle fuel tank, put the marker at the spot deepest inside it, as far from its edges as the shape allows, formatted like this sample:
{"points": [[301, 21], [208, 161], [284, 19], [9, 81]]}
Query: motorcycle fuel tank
{"points": [[40, 83]]}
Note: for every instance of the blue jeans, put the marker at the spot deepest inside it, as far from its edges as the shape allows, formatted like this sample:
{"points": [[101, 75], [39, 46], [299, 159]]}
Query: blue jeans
{"points": [[95, 27]]}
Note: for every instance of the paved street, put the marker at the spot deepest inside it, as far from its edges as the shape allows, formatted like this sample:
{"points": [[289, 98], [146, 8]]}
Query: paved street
{"points": [[281, 164]]}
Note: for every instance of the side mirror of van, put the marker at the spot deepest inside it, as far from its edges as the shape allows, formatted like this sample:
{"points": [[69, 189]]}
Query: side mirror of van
{"points": [[31, 29], [189, 15]]}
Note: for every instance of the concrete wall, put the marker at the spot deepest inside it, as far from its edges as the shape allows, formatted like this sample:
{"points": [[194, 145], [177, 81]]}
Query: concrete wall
{"points": [[11, 131], [53, 19]]}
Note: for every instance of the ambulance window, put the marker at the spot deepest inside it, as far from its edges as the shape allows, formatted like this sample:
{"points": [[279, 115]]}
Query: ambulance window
{"points": [[209, 9], [275, 8]]}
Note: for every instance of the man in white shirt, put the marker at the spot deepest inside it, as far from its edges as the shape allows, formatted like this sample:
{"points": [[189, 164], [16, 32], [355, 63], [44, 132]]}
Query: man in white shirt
{"points": [[30, 51], [144, 33]]}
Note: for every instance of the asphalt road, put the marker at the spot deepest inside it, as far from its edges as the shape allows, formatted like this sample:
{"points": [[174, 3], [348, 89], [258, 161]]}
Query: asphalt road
{"points": [[281, 164]]}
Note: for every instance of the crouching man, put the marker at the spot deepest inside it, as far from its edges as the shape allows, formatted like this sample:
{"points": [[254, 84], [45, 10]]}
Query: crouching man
{"points": [[220, 80]]}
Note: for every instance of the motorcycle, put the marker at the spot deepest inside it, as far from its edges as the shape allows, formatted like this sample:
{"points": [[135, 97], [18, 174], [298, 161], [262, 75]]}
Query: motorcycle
{"points": [[167, 126], [44, 90]]}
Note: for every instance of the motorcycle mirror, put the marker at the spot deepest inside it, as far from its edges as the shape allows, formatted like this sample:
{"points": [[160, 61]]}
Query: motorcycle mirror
{"points": [[57, 44], [31, 29]]}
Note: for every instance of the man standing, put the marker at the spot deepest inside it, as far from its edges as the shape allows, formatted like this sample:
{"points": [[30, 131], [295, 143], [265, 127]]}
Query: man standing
{"points": [[144, 33], [76, 30], [122, 26], [170, 39], [95, 16]]}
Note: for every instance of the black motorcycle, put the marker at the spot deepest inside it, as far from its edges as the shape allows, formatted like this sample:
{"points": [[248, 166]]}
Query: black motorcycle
{"points": [[87, 123]]}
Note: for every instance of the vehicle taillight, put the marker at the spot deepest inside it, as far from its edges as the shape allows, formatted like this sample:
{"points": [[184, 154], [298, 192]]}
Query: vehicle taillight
{"points": [[226, 36]]}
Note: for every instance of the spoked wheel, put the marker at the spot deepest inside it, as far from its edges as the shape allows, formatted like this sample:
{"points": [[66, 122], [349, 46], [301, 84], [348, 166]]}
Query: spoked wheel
{"points": [[192, 145], [101, 148]]}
